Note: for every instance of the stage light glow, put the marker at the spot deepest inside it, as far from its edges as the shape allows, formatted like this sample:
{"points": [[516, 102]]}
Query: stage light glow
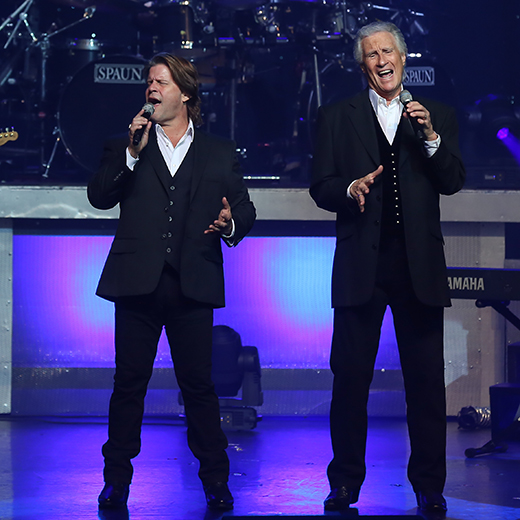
{"points": [[503, 133], [507, 137], [277, 299]]}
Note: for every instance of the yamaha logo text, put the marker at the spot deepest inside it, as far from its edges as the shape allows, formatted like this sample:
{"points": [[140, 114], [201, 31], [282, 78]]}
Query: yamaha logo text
{"points": [[466, 283]]}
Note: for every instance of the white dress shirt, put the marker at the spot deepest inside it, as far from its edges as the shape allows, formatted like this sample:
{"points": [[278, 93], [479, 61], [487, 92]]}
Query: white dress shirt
{"points": [[173, 155]]}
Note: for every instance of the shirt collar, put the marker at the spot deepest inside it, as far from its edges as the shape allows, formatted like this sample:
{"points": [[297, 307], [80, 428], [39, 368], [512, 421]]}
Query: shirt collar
{"points": [[188, 135], [376, 100]]}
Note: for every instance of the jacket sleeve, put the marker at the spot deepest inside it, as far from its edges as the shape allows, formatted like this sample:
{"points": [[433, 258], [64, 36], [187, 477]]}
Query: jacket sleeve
{"points": [[242, 209], [329, 185], [105, 189], [446, 169]]}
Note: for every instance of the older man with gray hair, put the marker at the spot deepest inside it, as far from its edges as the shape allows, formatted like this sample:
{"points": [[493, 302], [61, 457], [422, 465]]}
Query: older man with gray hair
{"points": [[381, 162]]}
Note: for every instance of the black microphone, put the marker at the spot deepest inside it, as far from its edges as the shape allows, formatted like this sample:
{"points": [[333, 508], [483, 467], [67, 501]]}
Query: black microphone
{"points": [[148, 112], [405, 97]]}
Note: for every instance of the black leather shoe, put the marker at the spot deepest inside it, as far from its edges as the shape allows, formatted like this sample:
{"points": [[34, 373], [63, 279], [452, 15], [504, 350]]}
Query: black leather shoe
{"points": [[114, 495], [218, 496], [431, 501], [340, 498]]}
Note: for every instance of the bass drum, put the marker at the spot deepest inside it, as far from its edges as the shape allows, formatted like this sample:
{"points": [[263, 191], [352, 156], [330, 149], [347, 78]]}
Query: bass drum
{"points": [[99, 102], [425, 77]]}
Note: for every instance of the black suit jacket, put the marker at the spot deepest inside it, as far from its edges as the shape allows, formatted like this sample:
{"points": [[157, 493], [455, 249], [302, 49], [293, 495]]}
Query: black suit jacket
{"points": [[137, 255], [347, 149]]}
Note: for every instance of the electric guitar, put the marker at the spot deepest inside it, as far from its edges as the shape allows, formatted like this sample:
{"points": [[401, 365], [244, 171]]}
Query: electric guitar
{"points": [[8, 135]]}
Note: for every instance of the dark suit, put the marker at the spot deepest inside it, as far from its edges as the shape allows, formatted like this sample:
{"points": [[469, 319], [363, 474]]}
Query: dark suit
{"points": [[372, 270], [162, 270]]}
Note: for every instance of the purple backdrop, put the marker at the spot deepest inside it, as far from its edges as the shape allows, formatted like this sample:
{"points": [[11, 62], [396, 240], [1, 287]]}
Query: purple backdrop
{"points": [[277, 293]]}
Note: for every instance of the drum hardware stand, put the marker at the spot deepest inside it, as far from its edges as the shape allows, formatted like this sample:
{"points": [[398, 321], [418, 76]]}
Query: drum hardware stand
{"points": [[6, 71], [344, 14], [46, 166], [233, 100], [21, 13], [44, 46], [43, 43], [22, 17], [187, 12], [316, 76]]}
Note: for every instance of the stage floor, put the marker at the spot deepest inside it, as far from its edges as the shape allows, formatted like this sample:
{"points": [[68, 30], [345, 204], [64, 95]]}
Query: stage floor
{"points": [[50, 468]]}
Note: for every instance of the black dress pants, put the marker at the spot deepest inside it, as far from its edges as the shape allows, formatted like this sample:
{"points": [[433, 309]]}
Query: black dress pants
{"points": [[138, 325], [419, 331]]}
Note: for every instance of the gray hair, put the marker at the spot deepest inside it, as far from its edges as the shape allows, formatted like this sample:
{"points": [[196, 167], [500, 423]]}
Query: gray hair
{"points": [[375, 27]]}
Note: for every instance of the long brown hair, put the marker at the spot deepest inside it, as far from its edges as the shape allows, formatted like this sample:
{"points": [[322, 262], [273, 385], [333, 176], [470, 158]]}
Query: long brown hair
{"points": [[186, 78]]}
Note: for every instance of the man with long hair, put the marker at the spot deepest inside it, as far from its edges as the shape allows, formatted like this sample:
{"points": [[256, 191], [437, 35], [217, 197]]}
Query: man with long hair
{"points": [[180, 192]]}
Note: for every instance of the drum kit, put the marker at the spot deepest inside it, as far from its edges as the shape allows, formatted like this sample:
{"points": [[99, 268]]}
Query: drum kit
{"points": [[71, 75]]}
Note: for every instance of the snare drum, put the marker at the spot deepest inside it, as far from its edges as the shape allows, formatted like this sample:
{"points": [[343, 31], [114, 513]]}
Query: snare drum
{"points": [[99, 102]]}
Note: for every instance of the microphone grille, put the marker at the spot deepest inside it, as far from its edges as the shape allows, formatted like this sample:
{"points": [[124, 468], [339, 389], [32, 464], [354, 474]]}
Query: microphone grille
{"points": [[405, 97], [148, 109]]}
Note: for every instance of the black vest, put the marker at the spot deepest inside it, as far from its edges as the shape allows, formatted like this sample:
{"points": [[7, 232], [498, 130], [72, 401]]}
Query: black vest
{"points": [[392, 215], [177, 209]]}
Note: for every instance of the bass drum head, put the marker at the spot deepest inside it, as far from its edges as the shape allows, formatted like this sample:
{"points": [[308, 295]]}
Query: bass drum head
{"points": [[99, 102], [423, 76]]}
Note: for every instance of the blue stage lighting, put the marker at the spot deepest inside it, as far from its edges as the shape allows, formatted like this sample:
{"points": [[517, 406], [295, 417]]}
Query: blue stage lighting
{"points": [[503, 133]]}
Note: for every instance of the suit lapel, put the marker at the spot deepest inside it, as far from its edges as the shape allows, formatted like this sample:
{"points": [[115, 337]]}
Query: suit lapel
{"points": [[154, 155], [201, 152], [362, 116]]}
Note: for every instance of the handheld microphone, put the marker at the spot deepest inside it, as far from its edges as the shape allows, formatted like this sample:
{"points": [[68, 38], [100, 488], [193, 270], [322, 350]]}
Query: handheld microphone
{"points": [[405, 97], [138, 134]]}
